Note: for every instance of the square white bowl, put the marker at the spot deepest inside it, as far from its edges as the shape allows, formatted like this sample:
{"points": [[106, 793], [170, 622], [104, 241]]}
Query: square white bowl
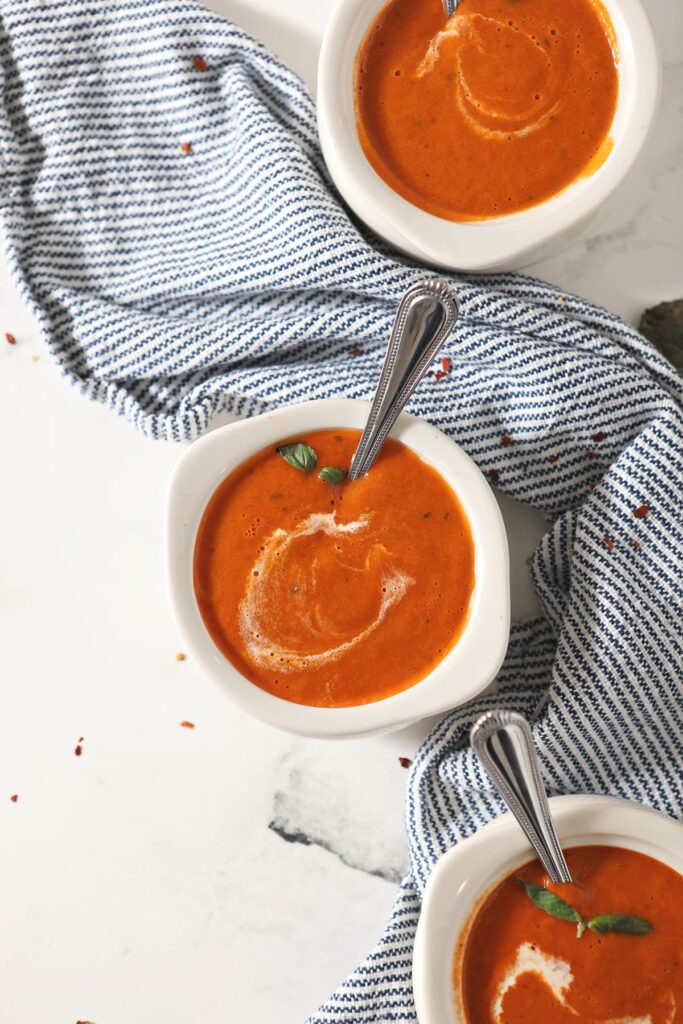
{"points": [[465, 670], [493, 243], [467, 872]]}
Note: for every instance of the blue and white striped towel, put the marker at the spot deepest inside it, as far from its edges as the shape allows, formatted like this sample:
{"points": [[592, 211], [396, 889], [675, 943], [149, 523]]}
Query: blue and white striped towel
{"points": [[172, 285]]}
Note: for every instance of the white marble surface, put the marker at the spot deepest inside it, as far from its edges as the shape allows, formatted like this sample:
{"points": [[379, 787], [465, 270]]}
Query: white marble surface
{"points": [[149, 880]]}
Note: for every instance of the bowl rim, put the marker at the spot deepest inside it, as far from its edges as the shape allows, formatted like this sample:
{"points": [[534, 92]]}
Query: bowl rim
{"points": [[495, 242], [474, 659], [467, 871]]}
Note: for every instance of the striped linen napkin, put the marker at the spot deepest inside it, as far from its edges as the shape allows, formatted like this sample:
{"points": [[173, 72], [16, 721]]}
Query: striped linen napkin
{"points": [[170, 222]]}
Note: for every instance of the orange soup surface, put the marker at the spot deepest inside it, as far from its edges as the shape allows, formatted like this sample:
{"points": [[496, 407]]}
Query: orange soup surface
{"points": [[334, 594], [493, 111], [518, 965]]}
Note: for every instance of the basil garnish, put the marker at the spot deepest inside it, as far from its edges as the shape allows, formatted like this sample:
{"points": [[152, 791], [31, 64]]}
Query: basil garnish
{"points": [[332, 474], [299, 455], [624, 923], [554, 905]]}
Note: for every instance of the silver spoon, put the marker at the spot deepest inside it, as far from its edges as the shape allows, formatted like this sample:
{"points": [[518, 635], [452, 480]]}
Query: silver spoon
{"points": [[449, 6], [426, 316], [505, 746]]}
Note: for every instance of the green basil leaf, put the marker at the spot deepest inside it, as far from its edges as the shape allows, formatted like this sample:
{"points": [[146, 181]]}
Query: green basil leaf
{"points": [[299, 455], [624, 923], [554, 905], [332, 474]]}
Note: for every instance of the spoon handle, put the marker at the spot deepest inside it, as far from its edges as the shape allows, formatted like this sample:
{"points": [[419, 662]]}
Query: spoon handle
{"points": [[425, 318], [505, 746]]}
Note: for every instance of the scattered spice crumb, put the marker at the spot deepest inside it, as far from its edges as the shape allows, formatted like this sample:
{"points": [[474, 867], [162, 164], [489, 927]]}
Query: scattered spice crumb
{"points": [[506, 440], [84, 1022], [10, 339], [600, 436], [440, 374], [608, 542], [199, 64], [14, 797], [591, 485], [186, 147], [404, 762], [180, 656], [187, 725], [356, 350], [553, 458], [560, 301], [431, 373], [642, 511], [494, 475], [446, 364], [78, 750], [35, 359], [590, 454], [527, 562], [636, 545], [426, 515]]}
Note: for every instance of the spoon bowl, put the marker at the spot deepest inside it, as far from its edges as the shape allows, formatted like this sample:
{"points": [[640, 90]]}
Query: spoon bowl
{"points": [[425, 318], [505, 746]]}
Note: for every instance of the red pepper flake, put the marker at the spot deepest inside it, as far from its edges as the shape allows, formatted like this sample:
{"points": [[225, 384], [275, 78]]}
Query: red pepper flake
{"points": [[78, 750], [446, 364], [506, 440], [554, 458], [187, 725], [600, 436], [356, 351], [636, 545], [199, 64], [84, 1022], [404, 762], [14, 797], [10, 339], [186, 147], [590, 454], [180, 656], [608, 542], [494, 475], [642, 511], [440, 374]]}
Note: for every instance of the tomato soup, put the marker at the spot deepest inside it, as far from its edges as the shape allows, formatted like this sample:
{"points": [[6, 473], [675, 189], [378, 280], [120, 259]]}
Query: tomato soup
{"points": [[518, 964], [492, 111], [334, 594]]}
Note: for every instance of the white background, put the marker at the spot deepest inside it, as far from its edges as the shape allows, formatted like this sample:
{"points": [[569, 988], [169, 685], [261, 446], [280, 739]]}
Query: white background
{"points": [[141, 882]]}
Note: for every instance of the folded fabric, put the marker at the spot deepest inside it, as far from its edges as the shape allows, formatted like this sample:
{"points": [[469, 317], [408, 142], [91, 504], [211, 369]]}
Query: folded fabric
{"points": [[169, 220]]}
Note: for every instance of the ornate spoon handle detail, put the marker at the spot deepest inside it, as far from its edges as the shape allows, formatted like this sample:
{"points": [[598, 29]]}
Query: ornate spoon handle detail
{"points": [[426, 316], [505, 746]]}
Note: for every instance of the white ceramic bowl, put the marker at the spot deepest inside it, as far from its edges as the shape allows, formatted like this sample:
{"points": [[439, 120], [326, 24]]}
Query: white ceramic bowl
{"points": [[499, 242], [466, 670], [464, 874]]}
